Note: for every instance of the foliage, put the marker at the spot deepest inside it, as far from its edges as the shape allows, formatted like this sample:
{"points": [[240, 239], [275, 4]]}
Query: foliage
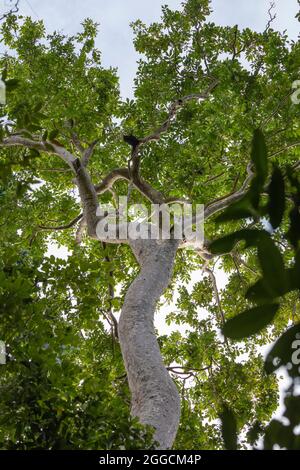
{"points": [[64, 379], [277, 281]]}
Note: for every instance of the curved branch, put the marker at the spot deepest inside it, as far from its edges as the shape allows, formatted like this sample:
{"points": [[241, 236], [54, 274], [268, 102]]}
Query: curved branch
{"points": [[134, 162], [123, 173], [207, 270], [108, 182], [76, 142], [221, 203], [175, 106], [80, 231], [62, 227], [214, 207], [284, 149], [47, 147], [14, 9], [88, 197]]}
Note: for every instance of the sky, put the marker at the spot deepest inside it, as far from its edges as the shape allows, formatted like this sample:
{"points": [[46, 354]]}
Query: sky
{"points": [[114, 16]]}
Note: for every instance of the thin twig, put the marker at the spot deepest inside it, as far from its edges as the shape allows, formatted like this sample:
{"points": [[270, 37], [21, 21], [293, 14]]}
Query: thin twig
{"points": [[271, 17], [14, 9], [62, 227], [207, 270], [134, 162], [284, 149]]}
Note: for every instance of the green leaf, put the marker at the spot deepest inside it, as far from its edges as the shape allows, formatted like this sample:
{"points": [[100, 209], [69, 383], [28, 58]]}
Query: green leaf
{"points": [[227, 243], [254, 432], [250, 321], [241, 209], [254, 193], [263, 290], [293, 234], [278, 433], [34, 153], [34, 128], [12, 84], [248, 205], [229, 429], [38, 106], [276, 204], [272, 265], [26, 133], [260, 291], [53, 134], [292, 405], [282, 351]]}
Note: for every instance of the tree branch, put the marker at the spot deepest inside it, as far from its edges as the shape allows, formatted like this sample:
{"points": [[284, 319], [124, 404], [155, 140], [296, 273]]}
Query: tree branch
{"points": [[284, 149], [134, 162], [80, 230], [88, 197], [62, 227], [123, 173], [183, 371], [271, 17], [221, 203], [14, 9], [89, 152], [175, 106], [207, 270], [47, 147], [131, 174], [76, 142]]}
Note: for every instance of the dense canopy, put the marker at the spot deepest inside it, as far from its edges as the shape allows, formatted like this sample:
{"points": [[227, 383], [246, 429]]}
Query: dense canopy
{"points": [[64, 385]]}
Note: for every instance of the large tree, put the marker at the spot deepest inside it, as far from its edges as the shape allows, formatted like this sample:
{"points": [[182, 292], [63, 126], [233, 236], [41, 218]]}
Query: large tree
{"points": [[69, 144]]}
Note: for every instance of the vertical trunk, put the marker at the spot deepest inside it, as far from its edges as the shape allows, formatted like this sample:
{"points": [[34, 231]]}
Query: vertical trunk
{"points": [[154, 396]]}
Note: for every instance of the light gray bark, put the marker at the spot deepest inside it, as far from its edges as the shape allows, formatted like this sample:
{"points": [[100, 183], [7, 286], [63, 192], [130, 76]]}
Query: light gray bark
{"points": [[155, 399]]}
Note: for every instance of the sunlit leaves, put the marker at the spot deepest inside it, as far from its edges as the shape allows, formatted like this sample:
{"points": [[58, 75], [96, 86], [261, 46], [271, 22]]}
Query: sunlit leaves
{"points": [[276, 281], [11, 84], [247, 206], [270, 258], [228, 242], [55, 308]]}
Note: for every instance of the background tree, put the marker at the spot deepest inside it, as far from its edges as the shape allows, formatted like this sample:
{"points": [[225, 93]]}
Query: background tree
{"points": [[200, 92]]}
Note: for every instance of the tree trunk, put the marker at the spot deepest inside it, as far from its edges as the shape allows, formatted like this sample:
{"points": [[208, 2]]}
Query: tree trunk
{"points": [[154, 396]]}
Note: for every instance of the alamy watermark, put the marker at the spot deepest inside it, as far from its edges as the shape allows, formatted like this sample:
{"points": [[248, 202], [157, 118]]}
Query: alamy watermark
{"points": [[180, 221], [294, 358], [2, 353], [2, 92], [295, 97], [296, 354]]}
